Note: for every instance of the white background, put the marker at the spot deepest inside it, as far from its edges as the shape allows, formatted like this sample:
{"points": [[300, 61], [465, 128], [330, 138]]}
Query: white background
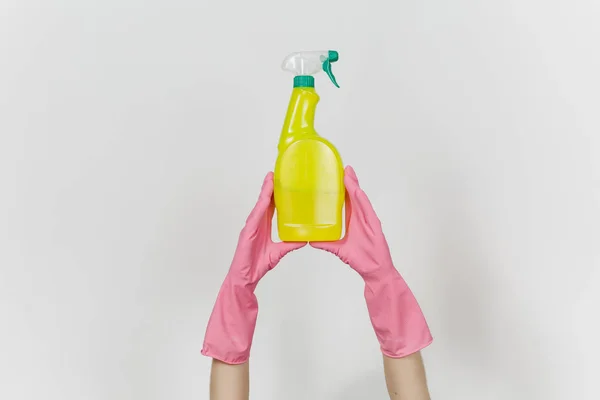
{"points": [[134, 136]]}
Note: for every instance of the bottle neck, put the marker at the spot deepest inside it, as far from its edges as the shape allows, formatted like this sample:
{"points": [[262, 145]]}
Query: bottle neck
{"points": [[300, 117]]}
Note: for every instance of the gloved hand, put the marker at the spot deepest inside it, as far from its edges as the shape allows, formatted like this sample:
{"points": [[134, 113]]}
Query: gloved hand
{"points": [[231, 326], [395, 314]]}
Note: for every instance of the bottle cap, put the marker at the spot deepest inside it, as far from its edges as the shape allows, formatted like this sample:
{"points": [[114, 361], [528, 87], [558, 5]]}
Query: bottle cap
{"points": [[304, 81]]}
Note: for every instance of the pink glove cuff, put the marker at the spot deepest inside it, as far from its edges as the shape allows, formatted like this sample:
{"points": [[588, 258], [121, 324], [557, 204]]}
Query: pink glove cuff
{"points": [[396, 317], [231, 326]]}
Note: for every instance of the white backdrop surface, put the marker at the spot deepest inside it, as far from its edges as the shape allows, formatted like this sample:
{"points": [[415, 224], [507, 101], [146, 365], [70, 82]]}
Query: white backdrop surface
{"points": [[134, 136]]}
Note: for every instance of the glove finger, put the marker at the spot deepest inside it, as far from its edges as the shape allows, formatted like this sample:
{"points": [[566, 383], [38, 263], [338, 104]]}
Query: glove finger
{"points": [[263, 203]]}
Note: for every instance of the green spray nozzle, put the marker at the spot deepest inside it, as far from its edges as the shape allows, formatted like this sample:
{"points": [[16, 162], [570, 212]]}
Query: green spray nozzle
{"points": [[304, 64], [332, 56]]}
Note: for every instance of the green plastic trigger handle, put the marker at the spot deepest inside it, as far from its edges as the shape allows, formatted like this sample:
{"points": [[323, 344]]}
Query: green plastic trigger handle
{"points": [[332, 57]]}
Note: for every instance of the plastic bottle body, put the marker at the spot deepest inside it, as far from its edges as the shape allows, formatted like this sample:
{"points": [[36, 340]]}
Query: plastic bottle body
{"points": [[309, 177]]}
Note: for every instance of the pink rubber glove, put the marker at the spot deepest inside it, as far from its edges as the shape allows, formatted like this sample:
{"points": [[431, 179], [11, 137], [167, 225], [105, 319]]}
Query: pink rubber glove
{"points": [[231, 326], [395, 314]]}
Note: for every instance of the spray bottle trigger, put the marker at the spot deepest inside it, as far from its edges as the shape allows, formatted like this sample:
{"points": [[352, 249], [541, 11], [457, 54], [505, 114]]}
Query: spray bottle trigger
{"points": [[331, 58]]}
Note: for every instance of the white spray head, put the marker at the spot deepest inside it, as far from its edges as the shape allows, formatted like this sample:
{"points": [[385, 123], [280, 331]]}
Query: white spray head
{"points": [[304, 64]]}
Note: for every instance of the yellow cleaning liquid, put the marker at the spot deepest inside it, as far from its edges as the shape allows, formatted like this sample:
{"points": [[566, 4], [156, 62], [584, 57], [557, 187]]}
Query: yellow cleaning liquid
{"points": [[309, 175]]}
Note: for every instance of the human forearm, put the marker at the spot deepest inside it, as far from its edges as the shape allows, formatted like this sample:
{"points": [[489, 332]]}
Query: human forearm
{"points": [[229, 382], [405, 377], [230, 329]]}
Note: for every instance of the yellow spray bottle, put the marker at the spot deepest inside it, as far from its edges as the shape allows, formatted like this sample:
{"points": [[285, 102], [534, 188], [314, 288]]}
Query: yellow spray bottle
{"points": [[309, 174]]}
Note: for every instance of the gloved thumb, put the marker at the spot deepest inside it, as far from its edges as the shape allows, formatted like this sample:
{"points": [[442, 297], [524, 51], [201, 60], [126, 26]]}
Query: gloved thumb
{"points": [[284, 248], [332, 247]]}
